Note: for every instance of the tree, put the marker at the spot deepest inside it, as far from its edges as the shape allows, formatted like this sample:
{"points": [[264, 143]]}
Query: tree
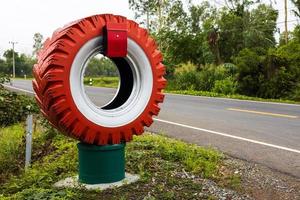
{"points": [[101, 67], [250, 72], [259, 34], [297, 4], [38, 43], [239, 28], [296, 34], [4, 68], [184, 39], [23, 62], [150, 13]]}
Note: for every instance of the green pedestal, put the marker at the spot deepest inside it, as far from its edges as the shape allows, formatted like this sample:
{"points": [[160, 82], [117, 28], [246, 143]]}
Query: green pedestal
{"points": [[101, 164]]}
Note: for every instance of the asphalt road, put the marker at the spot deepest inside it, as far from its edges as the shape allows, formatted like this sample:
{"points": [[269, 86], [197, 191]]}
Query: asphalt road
{"points": [[265, 133]]}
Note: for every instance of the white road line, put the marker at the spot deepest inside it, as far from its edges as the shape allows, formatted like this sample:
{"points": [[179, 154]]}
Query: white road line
{"points": [[12, 87], [230, 136], [204, 130]]}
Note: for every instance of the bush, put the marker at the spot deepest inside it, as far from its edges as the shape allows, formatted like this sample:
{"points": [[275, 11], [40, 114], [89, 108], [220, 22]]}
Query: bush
{"points": [[185, 68], [15, 108], [189, 77], [296, 94], [184, 81], [250, 66], [226, 86], [3, 79], [274, 75]]}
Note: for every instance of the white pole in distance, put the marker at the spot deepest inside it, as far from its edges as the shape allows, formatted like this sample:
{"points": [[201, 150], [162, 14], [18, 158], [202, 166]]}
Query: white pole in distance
{"points": [[14, 63]]}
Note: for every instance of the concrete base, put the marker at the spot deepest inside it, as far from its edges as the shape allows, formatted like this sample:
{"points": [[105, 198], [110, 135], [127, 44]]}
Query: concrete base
{"points": [[72, 182]]}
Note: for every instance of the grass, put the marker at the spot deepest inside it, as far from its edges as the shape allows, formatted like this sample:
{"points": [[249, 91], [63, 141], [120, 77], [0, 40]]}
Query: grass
{"points": [[230, 96], [11, 144], [169, 169], [110, 82], [22, 78]]}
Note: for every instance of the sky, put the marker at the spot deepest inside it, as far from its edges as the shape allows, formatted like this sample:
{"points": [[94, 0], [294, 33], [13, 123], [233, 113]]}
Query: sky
{"points": [[20, 19]]}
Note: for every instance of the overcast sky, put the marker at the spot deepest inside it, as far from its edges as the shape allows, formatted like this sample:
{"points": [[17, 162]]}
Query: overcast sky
{"points": [[20, 19]]}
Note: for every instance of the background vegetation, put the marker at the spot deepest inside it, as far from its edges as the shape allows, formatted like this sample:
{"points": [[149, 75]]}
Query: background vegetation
{"points": [[229, 49], [13, 107]]}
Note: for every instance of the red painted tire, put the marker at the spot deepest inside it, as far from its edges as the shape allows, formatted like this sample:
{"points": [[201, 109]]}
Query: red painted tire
{"points": [[55, 83]]}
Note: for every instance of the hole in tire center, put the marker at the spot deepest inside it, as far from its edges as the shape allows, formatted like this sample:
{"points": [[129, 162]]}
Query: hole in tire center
{"points": [[112, 81]]}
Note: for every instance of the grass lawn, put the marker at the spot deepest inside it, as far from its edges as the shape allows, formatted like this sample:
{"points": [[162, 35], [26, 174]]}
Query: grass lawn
{"points": [[110, 82], [231, 96], [169, 169], [22, 78]]}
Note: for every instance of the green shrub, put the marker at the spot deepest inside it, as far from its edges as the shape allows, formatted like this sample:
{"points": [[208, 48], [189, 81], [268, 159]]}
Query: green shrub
{"points": [[14, 107], [296, 94], [3, 79], [225, 86], [250, 66], [185, 68], [110, 82], [11, 143], [184, 81], [189, 77]]}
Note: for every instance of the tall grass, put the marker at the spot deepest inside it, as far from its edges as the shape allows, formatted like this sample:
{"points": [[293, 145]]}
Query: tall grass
{"points": [[11, 148]]}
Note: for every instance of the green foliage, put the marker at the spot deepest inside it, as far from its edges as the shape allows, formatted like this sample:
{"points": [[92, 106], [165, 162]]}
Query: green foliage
{"points": [[296, 94], [190, 77], [194, 158], [37, 181], [11, 143], [12, 152], [158, 160], [38, 42], [274, 75], [23, 64], [14, 107], [285, 62], [110, 82], [102, 66], [242, 32], [233, 96], [225, 86], [3, 79], [297, 10], [249, 65]]}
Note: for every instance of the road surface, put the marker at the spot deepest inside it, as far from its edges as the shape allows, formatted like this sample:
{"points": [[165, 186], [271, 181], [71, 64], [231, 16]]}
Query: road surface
{"points": [[265, 133]]}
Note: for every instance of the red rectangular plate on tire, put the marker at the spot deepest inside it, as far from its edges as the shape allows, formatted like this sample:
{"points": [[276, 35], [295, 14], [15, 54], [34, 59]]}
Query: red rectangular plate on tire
{"points": [[116, 40]]}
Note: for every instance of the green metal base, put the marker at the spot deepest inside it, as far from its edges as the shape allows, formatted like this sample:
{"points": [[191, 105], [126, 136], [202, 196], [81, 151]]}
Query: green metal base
{"points": [[101, 164]]}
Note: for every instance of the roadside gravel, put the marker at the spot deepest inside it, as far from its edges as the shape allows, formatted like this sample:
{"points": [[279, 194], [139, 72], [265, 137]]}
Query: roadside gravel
{"points": [[261, 182]]}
